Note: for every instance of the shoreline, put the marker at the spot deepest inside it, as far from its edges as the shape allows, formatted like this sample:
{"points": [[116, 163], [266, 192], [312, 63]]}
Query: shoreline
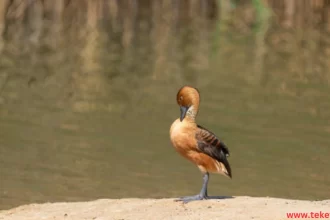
{"points": [[241, 207]]}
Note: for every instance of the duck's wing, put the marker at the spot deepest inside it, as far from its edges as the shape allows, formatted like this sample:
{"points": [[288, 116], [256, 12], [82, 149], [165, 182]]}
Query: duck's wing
{"points": [[209, 144]]}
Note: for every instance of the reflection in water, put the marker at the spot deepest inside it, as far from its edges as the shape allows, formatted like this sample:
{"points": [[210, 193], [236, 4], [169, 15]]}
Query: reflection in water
{"points": [[86, 101]]}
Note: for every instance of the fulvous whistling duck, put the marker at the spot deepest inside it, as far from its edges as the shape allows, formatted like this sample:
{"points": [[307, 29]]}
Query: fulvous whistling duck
{"points": [[196, 143]]}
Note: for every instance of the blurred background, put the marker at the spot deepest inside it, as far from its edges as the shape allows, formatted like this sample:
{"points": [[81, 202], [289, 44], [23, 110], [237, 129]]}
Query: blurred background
{"points": [[88, 94]]}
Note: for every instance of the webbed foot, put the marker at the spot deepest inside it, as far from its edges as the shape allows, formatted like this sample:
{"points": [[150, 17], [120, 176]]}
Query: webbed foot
{"points": [[187, 199]]}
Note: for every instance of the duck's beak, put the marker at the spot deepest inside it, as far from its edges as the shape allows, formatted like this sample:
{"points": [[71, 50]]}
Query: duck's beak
{"points": [[183, 110]]}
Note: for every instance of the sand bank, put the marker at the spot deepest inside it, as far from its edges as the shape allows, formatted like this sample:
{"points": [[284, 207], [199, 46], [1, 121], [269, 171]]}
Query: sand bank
{"points": [[156, 209]]}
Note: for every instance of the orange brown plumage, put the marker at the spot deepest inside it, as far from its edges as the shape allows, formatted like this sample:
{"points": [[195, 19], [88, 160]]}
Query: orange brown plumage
{"points": [[196, 143]]}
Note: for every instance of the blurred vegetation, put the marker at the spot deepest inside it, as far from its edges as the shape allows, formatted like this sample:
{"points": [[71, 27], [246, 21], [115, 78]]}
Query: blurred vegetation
{"points": [[77, 48]]}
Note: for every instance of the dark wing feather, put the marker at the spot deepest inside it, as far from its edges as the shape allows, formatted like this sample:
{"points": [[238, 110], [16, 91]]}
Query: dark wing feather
{"points": [[209, 144]]}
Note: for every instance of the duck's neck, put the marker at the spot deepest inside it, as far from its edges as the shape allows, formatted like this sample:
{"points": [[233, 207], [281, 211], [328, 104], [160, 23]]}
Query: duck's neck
{"points": [[192, 113]]}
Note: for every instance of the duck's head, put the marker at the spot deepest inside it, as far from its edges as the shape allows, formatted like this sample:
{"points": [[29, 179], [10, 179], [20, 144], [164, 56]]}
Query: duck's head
{"points": [[188, 100]]}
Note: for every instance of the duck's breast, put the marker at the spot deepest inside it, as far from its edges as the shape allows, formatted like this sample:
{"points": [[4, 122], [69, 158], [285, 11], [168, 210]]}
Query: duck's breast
{"points": [[182, 136]]}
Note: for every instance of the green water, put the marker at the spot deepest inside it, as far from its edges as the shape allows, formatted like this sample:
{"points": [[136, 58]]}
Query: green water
{"points": [[89, 119]]}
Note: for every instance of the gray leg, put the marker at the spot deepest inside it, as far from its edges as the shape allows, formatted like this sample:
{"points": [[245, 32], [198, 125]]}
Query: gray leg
{"points": [[202, 195]]}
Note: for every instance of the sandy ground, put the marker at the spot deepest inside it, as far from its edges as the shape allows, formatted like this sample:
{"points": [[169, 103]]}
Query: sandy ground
{"points": [[155, 209]]}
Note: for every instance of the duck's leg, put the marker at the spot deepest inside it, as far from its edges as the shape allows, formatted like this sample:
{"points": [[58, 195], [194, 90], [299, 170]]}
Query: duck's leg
{"points": [[203, 193]]}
